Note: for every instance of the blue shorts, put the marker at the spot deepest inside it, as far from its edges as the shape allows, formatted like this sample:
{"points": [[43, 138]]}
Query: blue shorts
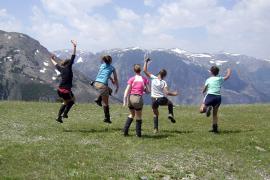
{"points": [[212, 100]]}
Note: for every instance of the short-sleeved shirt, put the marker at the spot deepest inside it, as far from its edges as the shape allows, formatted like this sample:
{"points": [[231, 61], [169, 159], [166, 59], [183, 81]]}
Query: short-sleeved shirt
{"points": [[66, 74], [157, 87], [214, 85], [138, 84], [104, 73]]}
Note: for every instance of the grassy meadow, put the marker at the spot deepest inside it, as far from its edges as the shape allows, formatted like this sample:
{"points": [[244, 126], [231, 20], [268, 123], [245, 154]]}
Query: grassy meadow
{"points": [[34, 146]]}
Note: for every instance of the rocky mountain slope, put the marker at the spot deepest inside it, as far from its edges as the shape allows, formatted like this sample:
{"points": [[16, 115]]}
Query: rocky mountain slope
{"points": [[187, 72], [26, 72]]}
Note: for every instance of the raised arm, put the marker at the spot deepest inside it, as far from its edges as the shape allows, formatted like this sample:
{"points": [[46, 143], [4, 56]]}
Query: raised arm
{"points": [[74, 52], [228, 74], [53, 60], [145, 67], [74, 46], [115, 81]]}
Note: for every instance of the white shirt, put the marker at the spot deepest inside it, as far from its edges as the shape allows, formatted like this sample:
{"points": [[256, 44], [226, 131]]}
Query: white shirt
{"points": [[157, 87]]}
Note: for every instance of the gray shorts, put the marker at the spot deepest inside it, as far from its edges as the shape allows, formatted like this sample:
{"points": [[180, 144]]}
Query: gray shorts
{"points": [[103, 89], [135, 102]]}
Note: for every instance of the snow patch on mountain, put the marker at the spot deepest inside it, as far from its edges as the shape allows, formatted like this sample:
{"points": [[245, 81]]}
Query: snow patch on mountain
{"points": [[43, 70], [179, 51], [36, 52], [80, 60], [201, 55], [46, 63], [231, 54], [57, 72]]}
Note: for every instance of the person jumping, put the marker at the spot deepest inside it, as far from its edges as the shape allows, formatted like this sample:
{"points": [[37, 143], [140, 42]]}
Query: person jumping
{"points": [[64, 90], [212, 98], [159, 93], [101, 84]]}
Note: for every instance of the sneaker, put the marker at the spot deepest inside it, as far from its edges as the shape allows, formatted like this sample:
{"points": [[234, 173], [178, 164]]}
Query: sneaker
{"points": [[107, 121], [170, 117], [59, 119], [98, 102], [208, 111], [155, 131]]}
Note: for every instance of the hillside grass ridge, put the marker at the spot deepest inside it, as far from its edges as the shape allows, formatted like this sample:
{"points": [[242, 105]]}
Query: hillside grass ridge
{"points": [[34, 146]]}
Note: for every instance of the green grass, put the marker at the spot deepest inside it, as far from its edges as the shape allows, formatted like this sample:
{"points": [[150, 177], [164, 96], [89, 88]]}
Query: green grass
{"points": [[34, 146]]}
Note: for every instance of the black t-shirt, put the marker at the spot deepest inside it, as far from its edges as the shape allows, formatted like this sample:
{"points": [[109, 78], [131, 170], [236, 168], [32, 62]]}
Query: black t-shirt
{"points": [[66, 74]]}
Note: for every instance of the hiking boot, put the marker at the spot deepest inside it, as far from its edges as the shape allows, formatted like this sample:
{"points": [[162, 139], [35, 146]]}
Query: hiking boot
{"points": [[59, 119], [170, 117], [127, 125], [214, 128], [106, 120], [208, 111]]}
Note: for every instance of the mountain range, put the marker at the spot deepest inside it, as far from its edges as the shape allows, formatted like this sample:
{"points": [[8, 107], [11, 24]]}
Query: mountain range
{"points": [[187, 72], [27, 74]]}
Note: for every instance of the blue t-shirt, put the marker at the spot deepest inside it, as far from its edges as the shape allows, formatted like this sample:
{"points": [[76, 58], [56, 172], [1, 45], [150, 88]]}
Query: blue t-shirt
{"points": [[104, 73], [214, 85]]}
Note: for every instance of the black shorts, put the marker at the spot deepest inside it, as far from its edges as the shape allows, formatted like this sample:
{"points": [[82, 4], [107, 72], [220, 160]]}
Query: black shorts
{"points": [[156, 102], [212, 100], [65, 96]]}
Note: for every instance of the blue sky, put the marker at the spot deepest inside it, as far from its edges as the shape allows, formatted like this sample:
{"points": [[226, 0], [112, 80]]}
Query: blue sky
{"points": [[237, 26]]}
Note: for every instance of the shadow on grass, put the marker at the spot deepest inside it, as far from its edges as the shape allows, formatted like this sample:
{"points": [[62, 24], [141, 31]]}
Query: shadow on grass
{"points": [[93, 130], [156, 136], [234, 131], [177, 132]]}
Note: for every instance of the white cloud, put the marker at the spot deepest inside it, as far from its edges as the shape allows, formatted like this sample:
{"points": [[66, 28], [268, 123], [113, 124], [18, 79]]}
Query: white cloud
{"points": [[70, 8], [148, 2], [244, 28], [127, 14], [51, 34], [8, 22]]}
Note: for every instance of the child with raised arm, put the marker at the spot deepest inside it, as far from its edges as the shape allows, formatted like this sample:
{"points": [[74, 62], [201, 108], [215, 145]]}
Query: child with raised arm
{"points": [[159, 93], [101, 84], [212, 98], [133, 97], [64, 91]]}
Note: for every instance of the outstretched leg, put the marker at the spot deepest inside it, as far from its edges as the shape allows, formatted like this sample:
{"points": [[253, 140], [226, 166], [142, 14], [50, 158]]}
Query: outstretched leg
{"points": [[60, 112], [170, 109], [69, 105]]}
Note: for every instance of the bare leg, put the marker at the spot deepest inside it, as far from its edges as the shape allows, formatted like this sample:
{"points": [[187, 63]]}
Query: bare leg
{"points": [[203, 108]]}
